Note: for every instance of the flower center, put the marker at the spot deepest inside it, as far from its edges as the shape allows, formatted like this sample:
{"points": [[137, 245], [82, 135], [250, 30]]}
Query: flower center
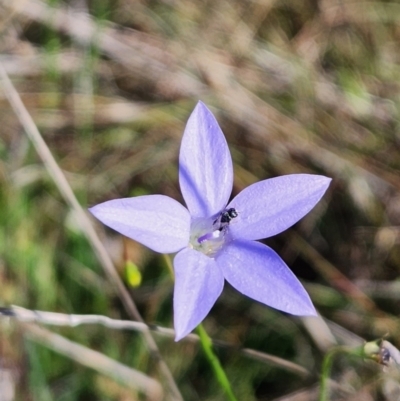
{"points": [[209, 235]]}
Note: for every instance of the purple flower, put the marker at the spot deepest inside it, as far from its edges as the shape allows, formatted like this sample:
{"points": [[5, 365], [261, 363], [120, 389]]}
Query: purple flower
{"points": [[214, 240]]}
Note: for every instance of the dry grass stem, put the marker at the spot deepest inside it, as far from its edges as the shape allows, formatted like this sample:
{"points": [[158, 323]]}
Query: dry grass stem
{"points": [[95, 360], [70, 320], [87, 227]]}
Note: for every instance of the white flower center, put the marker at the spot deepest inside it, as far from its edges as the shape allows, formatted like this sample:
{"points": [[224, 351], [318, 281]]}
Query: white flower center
{"points": [[211, 234]]}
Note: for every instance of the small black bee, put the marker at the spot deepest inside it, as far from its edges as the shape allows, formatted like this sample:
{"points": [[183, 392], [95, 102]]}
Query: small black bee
{"points": [[225, 217]]}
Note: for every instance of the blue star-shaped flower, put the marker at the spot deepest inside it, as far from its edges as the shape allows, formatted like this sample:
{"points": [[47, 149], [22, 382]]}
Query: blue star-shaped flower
{"points": [[216, 240]]}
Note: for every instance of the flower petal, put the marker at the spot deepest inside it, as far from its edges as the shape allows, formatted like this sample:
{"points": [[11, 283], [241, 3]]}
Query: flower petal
{"points": [[205, 165], [271, 206], [157, 221], [198, 284], [258, 272]]}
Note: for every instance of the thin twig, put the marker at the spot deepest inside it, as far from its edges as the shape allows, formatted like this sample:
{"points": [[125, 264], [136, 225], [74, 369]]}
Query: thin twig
{"points": [[66, 191], [70, 320], [129, 377]]}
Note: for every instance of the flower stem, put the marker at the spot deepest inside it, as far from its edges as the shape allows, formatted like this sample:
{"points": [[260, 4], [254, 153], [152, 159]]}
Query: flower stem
{"points": [[327, 366], [213, 360]]}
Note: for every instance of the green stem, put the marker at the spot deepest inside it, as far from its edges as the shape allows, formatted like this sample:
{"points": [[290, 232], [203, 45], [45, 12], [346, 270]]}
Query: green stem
{"points": [[206, 344], [326, 371], [327, 366]]}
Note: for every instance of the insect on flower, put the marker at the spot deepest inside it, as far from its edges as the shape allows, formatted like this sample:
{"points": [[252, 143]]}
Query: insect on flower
{"points": [[224, 218], [214, 239]]}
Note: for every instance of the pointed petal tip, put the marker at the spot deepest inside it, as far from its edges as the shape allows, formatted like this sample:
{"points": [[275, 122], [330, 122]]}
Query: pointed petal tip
{"points": [[96, 210], [200, 108], [325, 180], [306, 311], [178, 337], [203, 110], [201, 104], [313, 313], [99, 209], [303, 307], [321, 180], [181, 332]]}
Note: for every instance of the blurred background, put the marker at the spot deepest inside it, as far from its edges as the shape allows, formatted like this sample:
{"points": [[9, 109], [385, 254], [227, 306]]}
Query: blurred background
{"points": [[297, 87]]}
